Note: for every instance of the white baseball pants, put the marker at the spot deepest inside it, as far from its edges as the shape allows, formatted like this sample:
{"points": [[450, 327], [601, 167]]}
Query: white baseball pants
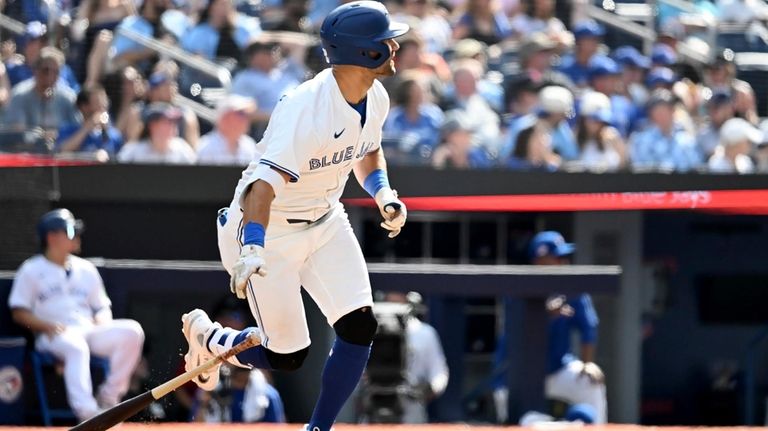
{"points": [[120, 340], [323, 257], [571, 386]]}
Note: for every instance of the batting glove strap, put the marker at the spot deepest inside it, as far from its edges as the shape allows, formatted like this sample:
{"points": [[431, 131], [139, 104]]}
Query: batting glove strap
{"points": [[392, 210], [251, 261]]}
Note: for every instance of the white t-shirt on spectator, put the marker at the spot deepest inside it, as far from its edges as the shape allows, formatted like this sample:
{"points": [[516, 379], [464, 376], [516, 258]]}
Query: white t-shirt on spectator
{"points": [[179, 153], [213, 150]]}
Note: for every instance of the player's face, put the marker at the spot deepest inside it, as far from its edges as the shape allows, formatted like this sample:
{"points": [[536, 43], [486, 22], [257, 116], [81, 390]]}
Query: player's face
{"points": [[388, 68]]}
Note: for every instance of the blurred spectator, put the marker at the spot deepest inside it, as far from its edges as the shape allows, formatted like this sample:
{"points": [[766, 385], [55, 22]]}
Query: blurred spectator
{"points": [[21, 67], [664, 144], [601, 147], [160, 142], [481, 20], [521, 97], [433, 26], [660, 77], [719, 110], [604, 76], [533, 149], [634, 65], [243, 396], [576, 66], [663, 55], [290, 16], [720, 76], [127, 52], [535, 53], [39, 102], [538, 17], [737, 141], [163, 88], [94, 134], [742, 11], [414, 121], [413, 56], [264, 80], [92, 31], [60, 297], [5, 88], [571, 378], [229, 143], [126, 89], [555, 108], [483, 121], [491, 91], [221, 35], [457, 149]]}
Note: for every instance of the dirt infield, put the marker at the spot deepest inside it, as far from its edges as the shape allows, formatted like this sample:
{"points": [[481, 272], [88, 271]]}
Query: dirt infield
{"points": [[344, 427]]}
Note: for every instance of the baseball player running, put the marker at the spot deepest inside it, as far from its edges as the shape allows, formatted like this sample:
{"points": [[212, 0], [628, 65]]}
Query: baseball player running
{"points": [[286, 228]]}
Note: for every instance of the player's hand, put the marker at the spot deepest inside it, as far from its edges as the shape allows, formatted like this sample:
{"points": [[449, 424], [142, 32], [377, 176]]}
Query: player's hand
{"points": [[593, 372], [251, 261], [392, 210], [53, 329]]}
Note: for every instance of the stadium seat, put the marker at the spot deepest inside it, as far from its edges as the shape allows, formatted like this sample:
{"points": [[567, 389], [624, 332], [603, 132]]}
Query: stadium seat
{"points": [[39, 362]]}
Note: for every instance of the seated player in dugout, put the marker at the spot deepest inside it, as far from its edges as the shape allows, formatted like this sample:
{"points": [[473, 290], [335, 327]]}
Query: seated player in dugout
{"points": [[61, 298], [286, 229], [571, 378]]}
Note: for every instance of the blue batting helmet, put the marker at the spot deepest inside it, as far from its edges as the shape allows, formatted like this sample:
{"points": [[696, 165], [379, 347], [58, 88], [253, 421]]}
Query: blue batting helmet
{"points": [[354, 34], [59, 220]]}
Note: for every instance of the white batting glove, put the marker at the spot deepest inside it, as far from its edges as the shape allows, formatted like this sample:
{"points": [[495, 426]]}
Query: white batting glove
{"points": [[392, 210], [251, 261]]}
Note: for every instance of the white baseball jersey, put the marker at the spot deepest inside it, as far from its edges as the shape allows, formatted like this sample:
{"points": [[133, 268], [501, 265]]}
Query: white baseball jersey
{"points": [[316, 138], [68, 296]]}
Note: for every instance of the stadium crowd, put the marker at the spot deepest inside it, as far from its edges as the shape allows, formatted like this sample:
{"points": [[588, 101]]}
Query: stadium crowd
{"points": [[514, 84]]}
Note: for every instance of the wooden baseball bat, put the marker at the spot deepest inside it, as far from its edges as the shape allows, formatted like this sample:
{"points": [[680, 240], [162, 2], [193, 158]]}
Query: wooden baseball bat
{"points": [[128, 408]]}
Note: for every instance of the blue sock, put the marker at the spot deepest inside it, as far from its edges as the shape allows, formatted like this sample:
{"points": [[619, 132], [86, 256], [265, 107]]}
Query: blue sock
{"points": [[255, 356], [342, 371]]}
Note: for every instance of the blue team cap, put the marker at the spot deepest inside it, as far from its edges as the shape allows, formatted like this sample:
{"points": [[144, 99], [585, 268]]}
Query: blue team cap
{"points": [[601, 65], [661, 76], [581, 412], [588, 28], [59, 220], [629, 56], [720, 98], [663, 55], [549, 243], [158, 78]]}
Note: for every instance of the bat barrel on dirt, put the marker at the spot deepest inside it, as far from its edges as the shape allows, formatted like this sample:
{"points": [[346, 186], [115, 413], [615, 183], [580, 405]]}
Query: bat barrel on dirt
{"points": [[129, 408]]}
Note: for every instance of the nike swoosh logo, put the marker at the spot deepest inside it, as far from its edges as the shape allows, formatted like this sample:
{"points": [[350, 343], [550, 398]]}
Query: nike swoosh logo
{"points": [[336, 135], [202, 379]]}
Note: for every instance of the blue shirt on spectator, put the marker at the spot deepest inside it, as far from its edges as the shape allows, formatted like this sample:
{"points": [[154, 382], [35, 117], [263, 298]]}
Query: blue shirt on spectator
{"points": [[578, 73], [18, 72], [515, 125], [624, 114], [584, 320], [265, 88], [652, 148], [564, 141], [111, 143], [203, 39], [423, 134], [136, 23]]}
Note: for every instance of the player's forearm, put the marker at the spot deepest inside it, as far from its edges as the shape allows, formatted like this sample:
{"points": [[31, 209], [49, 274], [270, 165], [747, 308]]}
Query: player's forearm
{"points": [[27, 319], [258, 202], [588, 352], [371, 162]]}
